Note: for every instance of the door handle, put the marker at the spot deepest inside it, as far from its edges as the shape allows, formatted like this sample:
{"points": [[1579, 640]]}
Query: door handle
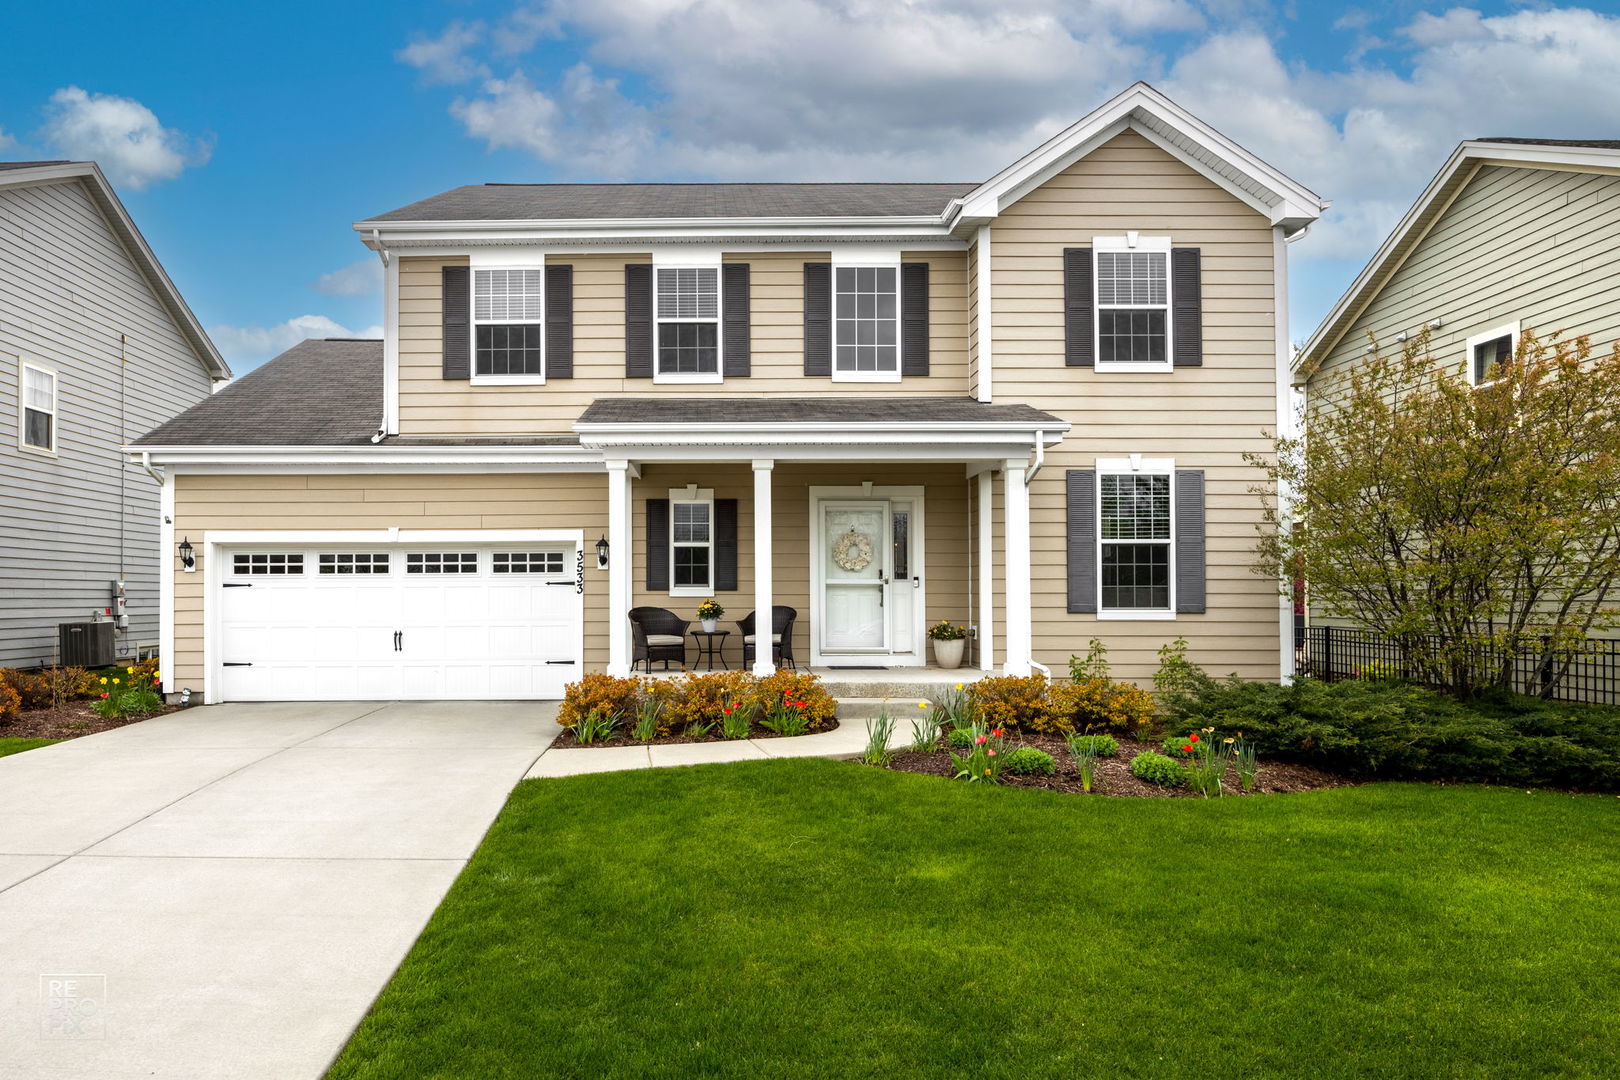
{"points": [[399, 640]]}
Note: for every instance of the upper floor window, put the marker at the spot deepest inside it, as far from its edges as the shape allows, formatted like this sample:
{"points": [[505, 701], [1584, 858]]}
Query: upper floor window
{"points": [[1135, 537], [688, 315], [38, 408], [866, 313], [508, 324], [1132, 277], [1488, 351]]}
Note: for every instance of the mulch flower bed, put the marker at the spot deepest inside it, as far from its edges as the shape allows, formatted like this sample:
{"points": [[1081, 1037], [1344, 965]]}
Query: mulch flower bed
{"points": [[1113, 775], [71, 720], [621, 737]]}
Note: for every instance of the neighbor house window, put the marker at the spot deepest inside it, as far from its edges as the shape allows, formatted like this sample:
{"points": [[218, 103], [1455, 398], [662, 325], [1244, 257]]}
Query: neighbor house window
{"points": [[1135, 537], [38, 408], [1133, 302], [1489, 351], [691, 542], [508, 324], [866, 314], [688, 311]]}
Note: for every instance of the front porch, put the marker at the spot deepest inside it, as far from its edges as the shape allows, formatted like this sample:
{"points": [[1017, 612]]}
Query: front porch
{"points": [[864, 526]]}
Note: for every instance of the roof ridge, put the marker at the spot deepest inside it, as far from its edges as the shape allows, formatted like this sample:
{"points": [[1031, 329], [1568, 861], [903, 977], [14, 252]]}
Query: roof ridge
{"points": [[727, 183]]}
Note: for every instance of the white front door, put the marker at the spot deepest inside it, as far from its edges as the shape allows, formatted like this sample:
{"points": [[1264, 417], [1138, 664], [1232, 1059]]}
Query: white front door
{"points": [[868, 580]]}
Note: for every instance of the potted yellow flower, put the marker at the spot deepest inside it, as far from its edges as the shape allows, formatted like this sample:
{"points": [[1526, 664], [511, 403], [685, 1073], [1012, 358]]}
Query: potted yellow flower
{"points": [[949, 641], [708, 614]]}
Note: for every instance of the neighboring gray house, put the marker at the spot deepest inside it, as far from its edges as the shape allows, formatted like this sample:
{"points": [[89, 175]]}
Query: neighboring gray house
{"points": [[96, 346]]}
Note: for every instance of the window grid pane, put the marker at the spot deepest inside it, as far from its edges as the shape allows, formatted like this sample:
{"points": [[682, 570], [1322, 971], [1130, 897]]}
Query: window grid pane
{"points": [[509, 350], [441, 562], [691, 520], [1132, 277], [1136, 576], [528, 562], [39, 389], [689, 293], [1488, 354], [364, 562], [262, 564], [691, 565], [866, 313], [1126, 335], [508, 295], [688, 348], [1135, 506], [38, 429]]}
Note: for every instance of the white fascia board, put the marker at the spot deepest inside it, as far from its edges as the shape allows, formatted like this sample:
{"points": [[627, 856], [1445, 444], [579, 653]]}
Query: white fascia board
{"points": [[672, 230], [824, 431], [931, 451], [544, 458]]}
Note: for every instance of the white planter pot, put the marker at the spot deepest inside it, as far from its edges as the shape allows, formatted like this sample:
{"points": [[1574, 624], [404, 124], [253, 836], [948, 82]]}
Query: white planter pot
{"points": [[948, 654], [709, 625]]}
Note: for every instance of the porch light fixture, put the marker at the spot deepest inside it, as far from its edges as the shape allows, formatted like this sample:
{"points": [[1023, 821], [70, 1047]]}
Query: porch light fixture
{"points": [[188, 557], [602, 554]]}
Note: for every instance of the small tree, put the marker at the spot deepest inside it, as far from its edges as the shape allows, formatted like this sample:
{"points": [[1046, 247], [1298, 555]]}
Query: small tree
{"points": [[1471, 525]]}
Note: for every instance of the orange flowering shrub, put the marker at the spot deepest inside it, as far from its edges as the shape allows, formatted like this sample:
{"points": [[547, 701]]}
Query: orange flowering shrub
{"points": [[1011, 701], [702, 699], [31, 687], [10, 700], [598, 690], [1100, 703], [819, 709]]}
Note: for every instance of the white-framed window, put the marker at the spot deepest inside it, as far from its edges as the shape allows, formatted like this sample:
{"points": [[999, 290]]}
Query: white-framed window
{"points": [[508, 324], [686, 308], [528, 562], [691, 542], [1131, 283], [866, 321], [1136, 538], [1488, 350], [267, 564], [36, 421], [352, 562], [441, 562]]}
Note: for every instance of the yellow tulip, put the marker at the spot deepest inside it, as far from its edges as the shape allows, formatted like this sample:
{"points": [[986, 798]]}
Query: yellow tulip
{"points": [[116, 682], [959, 686], [104, 680], [129, 671]]}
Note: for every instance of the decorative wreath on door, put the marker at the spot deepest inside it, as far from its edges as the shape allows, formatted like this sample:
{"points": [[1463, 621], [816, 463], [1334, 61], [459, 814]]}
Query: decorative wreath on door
{"points": [[852, 551]]}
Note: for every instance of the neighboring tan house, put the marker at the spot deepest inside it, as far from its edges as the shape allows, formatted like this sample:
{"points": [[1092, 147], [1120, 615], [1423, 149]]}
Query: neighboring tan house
{"points": [[1510, 235], [96, 346], [1020, 405]]}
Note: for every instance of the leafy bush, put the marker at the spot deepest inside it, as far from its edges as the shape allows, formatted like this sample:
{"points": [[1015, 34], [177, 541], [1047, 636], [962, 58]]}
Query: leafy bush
{"points": [[698, 703], [819, 709], [10, 700], [960, 738], [600, 692], [1030, 761], [1157, 769], [1100, 745], [1011, 701], [1100, 703], [32, 688]]}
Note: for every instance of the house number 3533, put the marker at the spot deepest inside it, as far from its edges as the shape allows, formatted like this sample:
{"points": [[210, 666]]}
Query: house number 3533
{"points": [[579, 570]]}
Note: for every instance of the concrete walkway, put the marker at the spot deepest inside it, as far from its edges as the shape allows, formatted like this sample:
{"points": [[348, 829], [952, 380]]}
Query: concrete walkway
{"points": [[221, 893]]}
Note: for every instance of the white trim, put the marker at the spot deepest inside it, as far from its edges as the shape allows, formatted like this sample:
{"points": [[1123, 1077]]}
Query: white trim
{"points": [[1132, 241], [391, 346], [870, 259], [1019, 605], [383, 457], [619, 568], [168, 566], [1286, 426], [691, 259], [520, 259], [764, 567], [984, 317], [1137, 466], [507, 258], [987, 571], [691, 495], [915, 652], [1508, 330], [23, 408]]}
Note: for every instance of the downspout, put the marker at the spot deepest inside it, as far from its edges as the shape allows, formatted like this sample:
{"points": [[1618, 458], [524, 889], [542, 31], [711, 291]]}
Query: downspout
{"points": [[146, 463], [1034, 471]]}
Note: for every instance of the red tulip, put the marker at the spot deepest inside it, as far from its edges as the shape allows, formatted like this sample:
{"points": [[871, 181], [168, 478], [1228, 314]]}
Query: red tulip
{"points": [[1186, 749], [977, 739], [996, 732], [103, 695], [1193, 737]]}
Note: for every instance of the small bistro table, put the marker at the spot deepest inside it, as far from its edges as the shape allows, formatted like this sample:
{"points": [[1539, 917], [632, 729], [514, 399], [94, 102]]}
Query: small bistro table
{"points": [[711, 647]]}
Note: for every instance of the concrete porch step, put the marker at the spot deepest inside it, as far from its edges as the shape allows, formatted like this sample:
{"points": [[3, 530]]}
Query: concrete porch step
{"points": [[902, 709]]}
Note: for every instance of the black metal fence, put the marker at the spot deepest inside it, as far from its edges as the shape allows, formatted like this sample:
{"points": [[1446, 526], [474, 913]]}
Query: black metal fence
{"points": [[1332, 653]]}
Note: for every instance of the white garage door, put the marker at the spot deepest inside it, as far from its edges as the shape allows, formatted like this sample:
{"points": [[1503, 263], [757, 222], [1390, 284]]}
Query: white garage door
{"points": [[397, 621]]}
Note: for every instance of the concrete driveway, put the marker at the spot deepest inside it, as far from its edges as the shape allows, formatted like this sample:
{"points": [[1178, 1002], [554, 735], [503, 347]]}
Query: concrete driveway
{"points": [[222, 892]]}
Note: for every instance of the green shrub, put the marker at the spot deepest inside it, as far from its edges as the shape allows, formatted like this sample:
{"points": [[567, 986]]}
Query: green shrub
{"points": [[1158, 769], [1030, 761], [960, 738], [1101, 745]]}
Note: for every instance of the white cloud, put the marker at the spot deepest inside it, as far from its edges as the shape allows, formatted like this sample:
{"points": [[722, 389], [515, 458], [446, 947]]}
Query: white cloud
{"points": [[357, 279], [445, 59], [122, 135], [6, 141], [246, 346]]}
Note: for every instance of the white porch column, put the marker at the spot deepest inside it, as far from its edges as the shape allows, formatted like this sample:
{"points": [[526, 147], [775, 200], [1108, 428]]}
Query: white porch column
{"points": [[1019, 616], [619, 548], [987, 571], [764, 655]]}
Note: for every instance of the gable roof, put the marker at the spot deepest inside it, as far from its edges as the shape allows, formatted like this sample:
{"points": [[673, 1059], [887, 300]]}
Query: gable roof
{"points": [[320, 392], [712, 213], [1598, 155], [13, 173]]}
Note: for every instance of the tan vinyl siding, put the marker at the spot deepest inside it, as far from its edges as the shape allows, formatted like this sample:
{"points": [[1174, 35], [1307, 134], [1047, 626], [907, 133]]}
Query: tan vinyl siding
{"points": [[1204, 418], [431, 405], [1537, 246]]}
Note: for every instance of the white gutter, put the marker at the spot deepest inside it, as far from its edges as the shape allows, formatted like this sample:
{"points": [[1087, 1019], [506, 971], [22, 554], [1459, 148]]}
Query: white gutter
{"points": [[146, 463], [1040, 458]]}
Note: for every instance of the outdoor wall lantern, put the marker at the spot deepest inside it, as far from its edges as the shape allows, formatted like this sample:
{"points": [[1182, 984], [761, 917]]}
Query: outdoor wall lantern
{"points": [[602, 554], [188, 557]]}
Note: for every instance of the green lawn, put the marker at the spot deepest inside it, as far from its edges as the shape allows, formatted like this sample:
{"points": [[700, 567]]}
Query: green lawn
{"points": [[792, 919], [17, 746]]}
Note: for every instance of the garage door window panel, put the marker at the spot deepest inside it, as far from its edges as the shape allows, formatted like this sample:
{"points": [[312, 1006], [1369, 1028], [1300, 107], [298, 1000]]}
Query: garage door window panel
{"points": [[528, 562], [353, 562], [267, 564], [441, 562]]}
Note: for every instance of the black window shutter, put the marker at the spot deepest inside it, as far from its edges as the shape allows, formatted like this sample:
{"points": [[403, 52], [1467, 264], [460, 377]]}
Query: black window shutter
{"points": [[658, 545], [455, 309], [1079, 316], [1081, 523], [559, 322], [818, 319], [914, 319], [638, 322], [1186, 308], [1190, 540], [725, 545], [734, 301]]}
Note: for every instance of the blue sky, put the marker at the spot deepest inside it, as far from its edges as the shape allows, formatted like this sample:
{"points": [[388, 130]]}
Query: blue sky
{"points": [[246, 139]]}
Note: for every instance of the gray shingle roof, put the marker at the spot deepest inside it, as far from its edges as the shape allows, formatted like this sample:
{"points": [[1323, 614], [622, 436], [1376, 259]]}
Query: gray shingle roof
{"points": [[321, 392], [30, 164], [585, 202], [1596, 144], [811, 410]]}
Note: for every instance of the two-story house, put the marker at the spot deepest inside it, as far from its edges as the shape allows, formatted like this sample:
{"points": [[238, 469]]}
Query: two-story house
{"points": [[96, 346], [1020, 404]]}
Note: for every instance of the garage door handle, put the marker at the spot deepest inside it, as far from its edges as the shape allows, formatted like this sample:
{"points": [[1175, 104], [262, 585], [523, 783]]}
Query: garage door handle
{"points": [[570, 663], [239, 585], [399, 640], [569, 584], [237, 663]]}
